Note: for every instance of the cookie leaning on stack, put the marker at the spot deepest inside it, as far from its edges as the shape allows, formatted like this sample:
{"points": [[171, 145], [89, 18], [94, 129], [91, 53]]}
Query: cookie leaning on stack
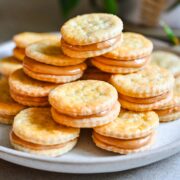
{"points": [[24, 39], [28, 91], [145, 90], [34, 131], [8, 107], [45, 61], [91, 35], [84, 104], [130, 132], [167, 60], [130, 56]]}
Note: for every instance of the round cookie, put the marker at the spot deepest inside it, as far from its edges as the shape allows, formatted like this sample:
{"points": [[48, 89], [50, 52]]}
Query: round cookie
{"points": [[34, 131], [130, 125], [36, 125], [87, 121], [24, 39], [91, 28], [149, 82], [8, 107], [24, 85], [49, 52], [167, 60], [114, 148], [85, 97], [133, 46], [52, 151], [9, 65]]}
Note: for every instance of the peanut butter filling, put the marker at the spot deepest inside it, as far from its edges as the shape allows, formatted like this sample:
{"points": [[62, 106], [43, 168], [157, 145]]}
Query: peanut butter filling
{"points": [[168, 111], [144, 100], [16, 140], [92, 47], [42, 68], [103, 113], [124, 144], [123, 63]]}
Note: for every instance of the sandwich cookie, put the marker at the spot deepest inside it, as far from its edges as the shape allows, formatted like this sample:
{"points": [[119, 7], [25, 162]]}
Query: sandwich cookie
{"points": [[171, 111], [130, 56], [167, 60], [91, 35], [22, 40], [145, 90], [130, 132], [35, 132], [8, 107], [9, 65], [86, 103], [28, 91], [45, 61]]}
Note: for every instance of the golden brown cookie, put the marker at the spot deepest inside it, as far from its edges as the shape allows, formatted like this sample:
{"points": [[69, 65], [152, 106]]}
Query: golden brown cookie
{"points": [[8, 107], [49, 52], [133, 46], [86, 121], [28, 91], [151, 81], [82, 98], [9, 65], [34, 131], [98, 33], [167, 60], [22, 40]]}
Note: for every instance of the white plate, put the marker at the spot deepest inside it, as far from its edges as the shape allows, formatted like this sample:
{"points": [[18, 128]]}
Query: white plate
{"points": [[86, 158]]}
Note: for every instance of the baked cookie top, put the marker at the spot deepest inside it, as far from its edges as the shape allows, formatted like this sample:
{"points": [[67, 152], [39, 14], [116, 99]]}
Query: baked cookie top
{"points": [[91, 28], [49, 52], [24, 39], [151, 81], [37, 126], [129, 125], [133, 46], [84, 97], [166, 60], [27, 86]]}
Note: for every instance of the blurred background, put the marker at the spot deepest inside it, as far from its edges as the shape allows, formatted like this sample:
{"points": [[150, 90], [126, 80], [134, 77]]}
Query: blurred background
{"points": [[156, 18]]}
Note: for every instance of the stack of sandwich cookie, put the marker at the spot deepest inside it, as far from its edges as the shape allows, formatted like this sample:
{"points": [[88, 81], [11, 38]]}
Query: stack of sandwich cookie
{"points": [[85, 104], [167, 60], [45, 61], [24, 39], [28, 91], [9, 65], [8, 107], [145, 90], [171, 111], [91, 35], [130, 132], [34, 131], [130, 56]]}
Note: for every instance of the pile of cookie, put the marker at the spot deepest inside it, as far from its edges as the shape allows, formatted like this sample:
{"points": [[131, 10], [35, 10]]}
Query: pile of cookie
{"points": [[94, 76]]}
